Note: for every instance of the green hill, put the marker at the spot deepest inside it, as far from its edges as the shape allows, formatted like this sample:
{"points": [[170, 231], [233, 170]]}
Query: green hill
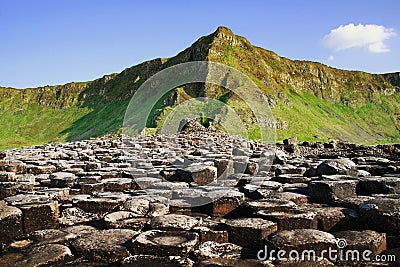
{"points": [[308, 99]]}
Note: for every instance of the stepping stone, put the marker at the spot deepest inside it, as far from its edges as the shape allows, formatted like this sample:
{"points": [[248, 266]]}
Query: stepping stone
{"points": [[117, 184], [291, 219], [51, 236], [174, 222], [335, 218], [139, 206], [125, 219], [251, 207], [104, 245], [144, 182], [98, 205], [210, 249], [301, 240], [63, 179], [378, 185], [224, 205], [40, 216], [250, 232], [211, 233], [335, 166], [296, 198], [91, 188], [72, 216], [381, 214], [331, 191], [10, 221], [165, 243], [157, 261], [41, 169], [46, 255], [363, 240], [81, 230], [199, 174]]}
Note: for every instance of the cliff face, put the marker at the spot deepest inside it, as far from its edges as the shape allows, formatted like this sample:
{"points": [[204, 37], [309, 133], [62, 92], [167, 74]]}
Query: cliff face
{"points": [[298, 91]]}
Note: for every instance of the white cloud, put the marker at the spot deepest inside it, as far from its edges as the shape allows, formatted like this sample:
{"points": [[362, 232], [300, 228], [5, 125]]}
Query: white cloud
{"points": [[349, 36], [331, 58]]}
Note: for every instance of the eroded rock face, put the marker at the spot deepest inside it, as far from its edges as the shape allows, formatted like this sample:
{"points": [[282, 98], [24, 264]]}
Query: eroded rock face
{"points": [[198, 200]]}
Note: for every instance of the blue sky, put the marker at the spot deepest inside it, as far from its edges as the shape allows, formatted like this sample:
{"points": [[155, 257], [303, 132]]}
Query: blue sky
{"points": [[58, 41]]}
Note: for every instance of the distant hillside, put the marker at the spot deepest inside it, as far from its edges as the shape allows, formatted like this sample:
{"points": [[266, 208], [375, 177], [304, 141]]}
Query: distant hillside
{"points": [[308, 99]]}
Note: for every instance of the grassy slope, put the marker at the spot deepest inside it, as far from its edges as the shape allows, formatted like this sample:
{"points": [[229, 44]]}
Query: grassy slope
{"points": [[310, 101], [351, 110]]}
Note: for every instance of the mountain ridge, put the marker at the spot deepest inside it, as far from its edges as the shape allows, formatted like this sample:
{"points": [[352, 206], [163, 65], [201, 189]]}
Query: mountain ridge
{"points": [[314, 87]]}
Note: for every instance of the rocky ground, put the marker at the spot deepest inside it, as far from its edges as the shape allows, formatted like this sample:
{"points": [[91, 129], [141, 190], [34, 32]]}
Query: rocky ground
{"points": [[202, 198]]}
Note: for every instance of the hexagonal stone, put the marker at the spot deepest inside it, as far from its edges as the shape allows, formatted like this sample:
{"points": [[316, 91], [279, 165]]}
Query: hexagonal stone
{"points": [[117, 184], [212, 233], [291, 219], [157, 261], [224, 205], [51, 236], [63, 179], [41, 169], [10, 221], [211, 249], [72, 216], [331, 191], [303, 239], [335, 218], [335, 166], [99, 205], [104, 245], [46, 255], [378, 185], [125, 219], [363, 240], [40, 216], [91, 188], [144, 182], [199, 174], [251, 207], [174, 222], [165, 243], [250, 232], [381, 214]]}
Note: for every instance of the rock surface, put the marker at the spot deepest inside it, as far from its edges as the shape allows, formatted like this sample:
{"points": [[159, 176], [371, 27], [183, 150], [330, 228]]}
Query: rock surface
{"points": [[198, 199]]}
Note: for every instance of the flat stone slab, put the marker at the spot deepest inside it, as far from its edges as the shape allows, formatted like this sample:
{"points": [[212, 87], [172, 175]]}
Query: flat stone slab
{"points": [[381, 214], [174, 222], [335, 166], [303, 239], [378, 185], [51, 236], [165, 243], [199, 174], [125, 219], [46, 255], [72, 216], [331, 191], [363, 240], [250, 232], [104, 245], [291, 219], [40, 216], [211, 249]]}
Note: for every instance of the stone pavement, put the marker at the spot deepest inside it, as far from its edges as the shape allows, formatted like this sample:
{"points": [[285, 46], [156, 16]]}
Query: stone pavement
{"points": [[200, 198]]}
